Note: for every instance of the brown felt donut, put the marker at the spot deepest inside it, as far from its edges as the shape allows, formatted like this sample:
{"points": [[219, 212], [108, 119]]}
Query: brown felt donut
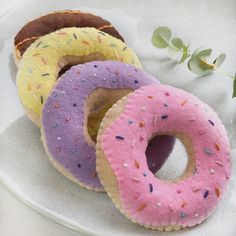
{"points": [[55, 21]]}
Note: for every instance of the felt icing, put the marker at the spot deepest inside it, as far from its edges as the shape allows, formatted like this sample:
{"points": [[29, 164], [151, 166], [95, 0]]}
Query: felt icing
{"points": [[58, 20], [64, 117], [38, 69], [144, 198]]}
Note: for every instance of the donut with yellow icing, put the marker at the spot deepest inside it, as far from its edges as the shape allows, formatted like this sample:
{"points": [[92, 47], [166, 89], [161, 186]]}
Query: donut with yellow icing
{"points": [[44, 60], [51, 22]]}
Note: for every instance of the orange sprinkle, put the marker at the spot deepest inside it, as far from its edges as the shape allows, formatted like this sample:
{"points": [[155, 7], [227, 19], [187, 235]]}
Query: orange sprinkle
{"points": [[184, 102], [137, 165], [217, 191], [150, 97], [99, 39], [217, 146], [85, 42], [44, 61], [94, 174], [141, 207], [36, 54], [141, 124], [183, 204]]}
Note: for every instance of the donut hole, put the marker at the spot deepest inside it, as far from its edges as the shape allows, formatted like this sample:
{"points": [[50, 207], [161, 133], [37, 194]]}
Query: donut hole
{"points": [[180, 163], [66, 62], [98, 103]]}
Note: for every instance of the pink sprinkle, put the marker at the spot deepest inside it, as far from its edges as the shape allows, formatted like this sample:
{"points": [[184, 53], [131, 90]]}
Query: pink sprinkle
{"points": [[219, 163], [44, 61], [167, 93], [141, 138], [171, 207], [136, 180], [179, 191], [136, 195]]}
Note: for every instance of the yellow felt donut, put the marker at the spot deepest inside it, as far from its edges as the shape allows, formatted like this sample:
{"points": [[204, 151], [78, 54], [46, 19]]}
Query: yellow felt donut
{"points": [[47, 56]]}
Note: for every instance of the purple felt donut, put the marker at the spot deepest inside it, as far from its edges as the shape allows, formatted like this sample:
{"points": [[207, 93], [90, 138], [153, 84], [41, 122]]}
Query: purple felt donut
{"points": [[72, 114]]}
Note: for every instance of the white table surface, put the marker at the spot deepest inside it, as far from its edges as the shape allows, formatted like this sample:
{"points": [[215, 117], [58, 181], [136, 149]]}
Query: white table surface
{"points": [[16, 218]]}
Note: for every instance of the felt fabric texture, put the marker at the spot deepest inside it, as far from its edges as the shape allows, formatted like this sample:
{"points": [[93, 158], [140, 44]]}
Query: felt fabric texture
{"points": [[58, 20], [38, 70], [145, 199], [65, 117]]}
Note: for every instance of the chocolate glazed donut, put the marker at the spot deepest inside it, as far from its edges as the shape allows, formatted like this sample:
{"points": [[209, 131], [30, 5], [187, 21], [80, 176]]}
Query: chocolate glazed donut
{"points": [[55, 21]]}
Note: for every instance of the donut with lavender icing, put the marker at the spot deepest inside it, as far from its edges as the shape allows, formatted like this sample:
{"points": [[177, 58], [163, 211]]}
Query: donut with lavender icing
{"points": [[122, 167], [72, 114], [48, 57], [51, 22]]}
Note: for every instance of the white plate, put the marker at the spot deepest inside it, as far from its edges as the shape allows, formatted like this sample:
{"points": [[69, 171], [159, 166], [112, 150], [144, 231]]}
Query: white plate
{"points": [[24, 166]]}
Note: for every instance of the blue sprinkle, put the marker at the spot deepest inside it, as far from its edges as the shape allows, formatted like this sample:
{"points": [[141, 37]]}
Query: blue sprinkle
{"points": [[120, 137], [182, 214], [207, 151], [95, 66], [79, 165], [206, 194], [83, 80], [130, 122], [54, 95], [54, 125], [164, 117], [211, 122], [144, 174], [113, 80], [150, 188], [136, 81]]}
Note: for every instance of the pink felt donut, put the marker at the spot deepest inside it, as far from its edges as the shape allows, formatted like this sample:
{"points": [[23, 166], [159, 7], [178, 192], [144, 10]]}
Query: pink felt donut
{"points": [[122, 166]]}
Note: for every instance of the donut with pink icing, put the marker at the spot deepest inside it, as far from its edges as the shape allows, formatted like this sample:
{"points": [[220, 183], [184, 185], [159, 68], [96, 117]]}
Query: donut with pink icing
{"points": [[73, 111], [122, 166]]}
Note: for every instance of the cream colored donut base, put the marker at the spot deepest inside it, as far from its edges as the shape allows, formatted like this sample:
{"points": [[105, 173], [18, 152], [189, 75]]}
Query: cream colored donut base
{"points": [[107, 176]]}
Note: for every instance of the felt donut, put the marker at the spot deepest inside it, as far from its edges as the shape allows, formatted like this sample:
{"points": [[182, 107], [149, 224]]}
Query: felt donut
{"points": [[47, 56], [72, 114], [121, 162], [51, 22]]}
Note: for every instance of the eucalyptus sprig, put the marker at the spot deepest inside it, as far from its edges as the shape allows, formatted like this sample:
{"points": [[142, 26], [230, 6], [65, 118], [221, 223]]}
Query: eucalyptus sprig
{"points": [[198, 61]]}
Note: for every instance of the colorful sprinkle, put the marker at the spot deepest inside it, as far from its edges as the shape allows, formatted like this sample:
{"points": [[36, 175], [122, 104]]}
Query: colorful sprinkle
{"points": [[217, 146], [217, 192], [136, 195], [178, 191], [46, 74], [113, 45], [136, 180], [167, 93], [141, 124], [124, 48], [159, 204], [185, 101], [38, 44], [171, 207], [196, 215], [143, 109], [73, 150], [99, 38], [57, 105], [141, 138], [212, 171], [94, 174], [137, 165], [150, 188], [145, 174], [201, 132], [85, 42], [150, 97], [45, 46], [67, 119], [125, 165], [100, 32], [165, 105], [219, 163], [58, 138], [118, 137], [205, 194], [136, 81], [41, 99], [62, 33], [195, 189], [141, 207], [29, 87], [164, 117], [183, 204], [74, 35], [74, 105], [44, 61], [54, 125], [191, 119], [36, 54], [207, 151], [211, 122], [182, 214], [79, 165], [130, 122], [58, 149]]}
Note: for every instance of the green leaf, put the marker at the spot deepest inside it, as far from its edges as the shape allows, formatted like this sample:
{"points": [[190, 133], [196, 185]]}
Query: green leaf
{"points": [[234, 87], [198, 63], [185, 54], [161, 37], [219, 60], [177, 43]]}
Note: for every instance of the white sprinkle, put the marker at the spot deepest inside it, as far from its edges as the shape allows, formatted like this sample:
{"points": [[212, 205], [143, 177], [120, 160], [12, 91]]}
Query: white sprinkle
{"points": [[133, 143], [195, 189], [59, 138], [159, 204], [125, 165], [143, 109], [196, 215], [212, 171], [219, 163], [63, 92], [95, 74], [104, 78], [154, 120]]}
